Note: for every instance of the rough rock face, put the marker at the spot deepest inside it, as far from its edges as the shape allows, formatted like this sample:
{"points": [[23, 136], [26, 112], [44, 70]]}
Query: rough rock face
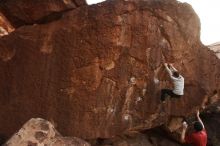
{"points": [[153, 137], [212, 121], [95, 71], [23, 12], [159, 137], [39, 132], [5, 26], [216, 48]]}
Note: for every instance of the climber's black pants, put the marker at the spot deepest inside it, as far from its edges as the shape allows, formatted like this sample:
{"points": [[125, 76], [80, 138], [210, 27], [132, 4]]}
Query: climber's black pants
{"points": [[169, 92]]}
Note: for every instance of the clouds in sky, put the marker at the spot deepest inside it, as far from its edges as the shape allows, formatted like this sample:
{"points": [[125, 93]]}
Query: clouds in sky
{"points": [[94, 1]]}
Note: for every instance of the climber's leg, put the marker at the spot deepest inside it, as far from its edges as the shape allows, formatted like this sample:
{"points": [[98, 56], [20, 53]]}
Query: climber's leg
{"points": [[175, 96], [165, 92]]}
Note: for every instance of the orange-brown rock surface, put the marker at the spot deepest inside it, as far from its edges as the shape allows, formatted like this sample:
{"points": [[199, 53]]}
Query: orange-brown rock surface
{"points": [[95, 70], [5, 26], [159, 137], [154, 137], [24, 12], [39, 132], [215, 48]]}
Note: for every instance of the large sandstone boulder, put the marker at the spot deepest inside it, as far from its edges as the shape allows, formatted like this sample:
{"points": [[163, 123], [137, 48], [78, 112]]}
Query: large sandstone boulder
{"points": [[26, 12], [98, 70], [39, 132]]}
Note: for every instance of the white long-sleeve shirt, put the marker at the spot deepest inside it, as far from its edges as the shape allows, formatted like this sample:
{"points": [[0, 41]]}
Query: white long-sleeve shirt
{"points": [[177, 82]]}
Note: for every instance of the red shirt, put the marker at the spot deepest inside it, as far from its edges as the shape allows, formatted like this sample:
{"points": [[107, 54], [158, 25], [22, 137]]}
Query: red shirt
{"points": [[197, 138]]}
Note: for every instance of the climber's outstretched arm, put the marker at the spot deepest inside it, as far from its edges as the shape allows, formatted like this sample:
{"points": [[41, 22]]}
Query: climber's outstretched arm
{"points": [[199, 119], [168, 69], [172, 67], [183, 134]]}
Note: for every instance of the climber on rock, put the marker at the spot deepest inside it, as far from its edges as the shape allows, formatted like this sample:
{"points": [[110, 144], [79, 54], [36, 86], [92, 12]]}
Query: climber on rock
{"points": [[178, 82], [196, 138]]}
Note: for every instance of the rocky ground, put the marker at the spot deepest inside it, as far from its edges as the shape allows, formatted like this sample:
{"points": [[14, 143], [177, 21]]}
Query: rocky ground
{"points": [[41, 132]]}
